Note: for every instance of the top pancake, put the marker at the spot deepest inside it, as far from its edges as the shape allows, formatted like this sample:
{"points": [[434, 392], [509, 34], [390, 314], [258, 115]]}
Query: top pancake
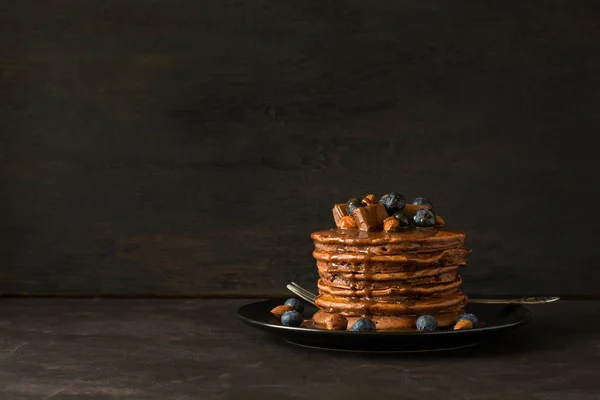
{"points": [[406, 240]]}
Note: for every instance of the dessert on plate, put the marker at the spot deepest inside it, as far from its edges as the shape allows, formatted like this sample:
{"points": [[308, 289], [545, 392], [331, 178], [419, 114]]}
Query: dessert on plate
{"points": [[391, 263]]}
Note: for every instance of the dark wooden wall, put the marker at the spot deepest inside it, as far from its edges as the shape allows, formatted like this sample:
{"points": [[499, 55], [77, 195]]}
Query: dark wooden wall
{"points": [[190, 147]]}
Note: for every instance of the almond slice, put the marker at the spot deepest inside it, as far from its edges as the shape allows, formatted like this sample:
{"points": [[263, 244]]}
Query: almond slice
{"points": [[391, 224], [439, 221], [369, 199], [347, 222], [279, 310], [411, 209], [463, 324]]}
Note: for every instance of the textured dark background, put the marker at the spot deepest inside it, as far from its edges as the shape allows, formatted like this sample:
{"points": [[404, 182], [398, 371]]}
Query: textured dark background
{"points": [[189, 148]]}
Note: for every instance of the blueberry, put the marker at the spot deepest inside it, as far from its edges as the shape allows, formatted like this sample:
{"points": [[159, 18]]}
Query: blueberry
{"points": [[393, 202], [363, 325], [424, 218], [426, 323], [295, 304], [470, 317], [291, 318], [422, 201], [402, 217], [353, 204]]}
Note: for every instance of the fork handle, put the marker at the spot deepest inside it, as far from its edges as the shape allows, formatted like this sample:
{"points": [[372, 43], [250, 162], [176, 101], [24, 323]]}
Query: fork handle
{"points": [[520, 300]]}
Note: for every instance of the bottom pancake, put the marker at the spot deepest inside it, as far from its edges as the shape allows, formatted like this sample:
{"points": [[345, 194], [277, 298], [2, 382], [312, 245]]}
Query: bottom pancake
{"points": [[408, 306], [390, 323]]}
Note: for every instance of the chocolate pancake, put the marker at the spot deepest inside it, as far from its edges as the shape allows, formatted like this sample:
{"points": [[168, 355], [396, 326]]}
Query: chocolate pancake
{"points": [[390, 277], [384, 289]]}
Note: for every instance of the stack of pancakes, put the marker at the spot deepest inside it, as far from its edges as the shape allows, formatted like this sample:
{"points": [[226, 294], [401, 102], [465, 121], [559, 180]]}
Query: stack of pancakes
{"points": [[390, 277]]}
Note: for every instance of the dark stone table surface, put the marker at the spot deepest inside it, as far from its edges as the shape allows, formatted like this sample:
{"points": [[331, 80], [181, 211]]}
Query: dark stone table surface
{"points": [[197, 349]]}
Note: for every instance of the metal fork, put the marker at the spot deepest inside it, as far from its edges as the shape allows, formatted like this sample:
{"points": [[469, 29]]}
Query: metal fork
{"points": [[301, 292], [311, 297]]}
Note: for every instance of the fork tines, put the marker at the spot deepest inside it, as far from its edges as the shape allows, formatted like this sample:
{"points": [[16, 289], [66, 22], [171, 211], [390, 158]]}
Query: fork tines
{"points": [[300, 291]]}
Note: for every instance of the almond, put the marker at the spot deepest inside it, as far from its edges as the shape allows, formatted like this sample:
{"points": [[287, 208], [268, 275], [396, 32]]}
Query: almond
{"points": [[439, 221], [279, 310], [336, 322], [411, 209], [391, 224], [347, 222], [369, 199], [463, 324]]}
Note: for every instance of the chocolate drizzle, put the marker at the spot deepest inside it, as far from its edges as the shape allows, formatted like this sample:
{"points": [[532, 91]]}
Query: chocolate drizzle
{"points": [[388, 274]]}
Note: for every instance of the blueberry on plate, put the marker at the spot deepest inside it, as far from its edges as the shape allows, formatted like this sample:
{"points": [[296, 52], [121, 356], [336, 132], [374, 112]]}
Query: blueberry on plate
{"points": [[424, 218], [422, 201], [471, 317], [426, 323], [393, 202], [353, 204], [402, 217], [291, 318], [295, 304], [363, 325]]}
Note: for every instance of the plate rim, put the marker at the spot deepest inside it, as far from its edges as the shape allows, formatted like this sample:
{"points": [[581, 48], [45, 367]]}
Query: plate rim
{"points": [[390, 351]]}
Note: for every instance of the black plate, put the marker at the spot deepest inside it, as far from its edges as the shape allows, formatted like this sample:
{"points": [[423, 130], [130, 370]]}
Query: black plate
{"points": [[496, 318]]}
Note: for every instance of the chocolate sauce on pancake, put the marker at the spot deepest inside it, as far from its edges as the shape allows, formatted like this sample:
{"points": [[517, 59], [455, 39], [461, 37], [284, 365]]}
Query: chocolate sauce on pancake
{"points": [[390, 277]]}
